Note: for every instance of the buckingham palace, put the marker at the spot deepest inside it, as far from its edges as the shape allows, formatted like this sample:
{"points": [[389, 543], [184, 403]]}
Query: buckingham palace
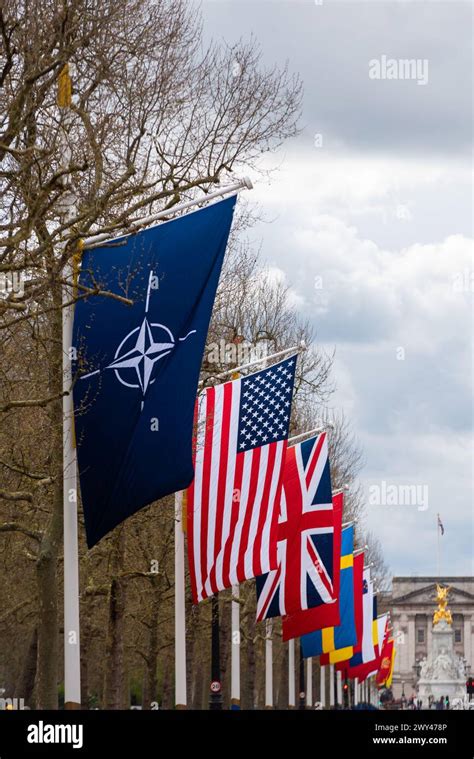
{"points": [[412, 602]]}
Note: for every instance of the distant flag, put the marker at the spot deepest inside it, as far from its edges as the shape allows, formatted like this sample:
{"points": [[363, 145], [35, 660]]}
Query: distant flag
{"points": [[138, 365], [369, 668], [364, 649], [304, 577], [370, 614], [332, 638], [233, 501], [383, 633], [384, 673], [325, 615], [344, 653], [388, 681], [440, 525]]}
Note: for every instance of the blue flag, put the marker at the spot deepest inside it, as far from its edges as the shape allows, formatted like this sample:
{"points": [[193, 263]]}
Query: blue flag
{"points": [[137, 366], [345, 634]]}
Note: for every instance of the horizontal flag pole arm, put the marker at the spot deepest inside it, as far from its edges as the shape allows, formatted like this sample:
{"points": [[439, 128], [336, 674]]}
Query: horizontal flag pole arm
{"points": [[316, 431], [344, 488], [348, 524], [368, 566], [359, 550], [237, 369], [136, 224]]}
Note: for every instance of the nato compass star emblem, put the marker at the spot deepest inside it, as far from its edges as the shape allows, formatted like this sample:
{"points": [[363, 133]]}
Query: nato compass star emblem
{"points": [[140, 350]]}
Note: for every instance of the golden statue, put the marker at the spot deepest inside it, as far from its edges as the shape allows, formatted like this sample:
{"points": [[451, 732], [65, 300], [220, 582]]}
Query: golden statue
{"points": [[442, 612]]}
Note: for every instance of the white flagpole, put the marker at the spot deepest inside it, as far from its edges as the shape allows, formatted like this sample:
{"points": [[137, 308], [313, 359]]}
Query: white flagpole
{"points": [[72, 652], [331, 685], [309, 683], [268, 664], [235, 632], [179, 607], [145, 221], [339, 687], [356, 691], [322, 686], [235, 651], [291, 674], [264, 360], [316, 431], [438, 531]]}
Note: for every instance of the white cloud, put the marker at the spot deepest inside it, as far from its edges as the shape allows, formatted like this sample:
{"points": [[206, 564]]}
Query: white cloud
{"points": [[372, 300]]}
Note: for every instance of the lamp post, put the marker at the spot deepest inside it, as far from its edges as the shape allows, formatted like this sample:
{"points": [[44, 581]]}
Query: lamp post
{"points": [[302, 692], [215, 697]]}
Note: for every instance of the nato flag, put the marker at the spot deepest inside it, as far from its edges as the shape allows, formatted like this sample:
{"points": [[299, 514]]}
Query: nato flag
{"points": [[137, 366]]}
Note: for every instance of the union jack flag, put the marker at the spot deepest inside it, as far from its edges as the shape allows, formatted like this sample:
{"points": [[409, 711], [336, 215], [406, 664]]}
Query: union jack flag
{"points": [[232, 514], [304, 576]]}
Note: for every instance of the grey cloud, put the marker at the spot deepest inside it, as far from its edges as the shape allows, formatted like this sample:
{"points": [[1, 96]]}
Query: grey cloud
{"points": [[331, 45]]}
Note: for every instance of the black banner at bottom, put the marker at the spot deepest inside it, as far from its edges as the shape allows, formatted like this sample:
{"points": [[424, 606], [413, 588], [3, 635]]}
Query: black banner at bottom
{"points": [[25, 734]]}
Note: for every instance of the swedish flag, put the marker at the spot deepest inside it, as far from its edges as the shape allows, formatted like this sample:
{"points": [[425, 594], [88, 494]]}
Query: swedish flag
{"points": [[338, 640]]}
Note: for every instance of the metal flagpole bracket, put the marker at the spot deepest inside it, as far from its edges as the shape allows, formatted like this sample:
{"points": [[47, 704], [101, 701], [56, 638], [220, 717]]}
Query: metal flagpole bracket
{"points": [[136, 224], [315, 431], [351, 522], [344, 489], [296, 349]]}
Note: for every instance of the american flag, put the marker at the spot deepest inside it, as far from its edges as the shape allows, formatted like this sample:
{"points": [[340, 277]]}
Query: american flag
{"points": [[233, 502], [304, 577]]}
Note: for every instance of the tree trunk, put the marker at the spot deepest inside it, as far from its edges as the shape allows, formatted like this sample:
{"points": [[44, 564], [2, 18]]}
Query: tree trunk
{"points": [[26, 681], [48, 643], [114, 657], [150, 681], [250, 657], [167, 702], [46, 565], [85, 643]]}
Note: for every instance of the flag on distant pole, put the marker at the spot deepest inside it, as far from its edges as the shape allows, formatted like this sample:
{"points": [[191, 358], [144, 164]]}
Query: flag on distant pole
{"points": [[369, 668], [344, 653], [364, 649], [304, 577], [325, 615], [388, 681], [138, 365], [386, 663], [242, 431], [344, 634], [440, 525]]}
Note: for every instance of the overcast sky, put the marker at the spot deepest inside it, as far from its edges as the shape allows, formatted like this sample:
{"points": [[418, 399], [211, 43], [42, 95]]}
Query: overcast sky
{"points": [[382, 214]]}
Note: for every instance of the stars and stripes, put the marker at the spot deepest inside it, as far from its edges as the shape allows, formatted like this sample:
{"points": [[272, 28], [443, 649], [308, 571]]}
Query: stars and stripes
{"points": [[242, 430], [304, 577]]}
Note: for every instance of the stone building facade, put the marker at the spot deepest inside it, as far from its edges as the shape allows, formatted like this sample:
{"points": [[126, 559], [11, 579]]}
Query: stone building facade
{"points": [[412, 602]]}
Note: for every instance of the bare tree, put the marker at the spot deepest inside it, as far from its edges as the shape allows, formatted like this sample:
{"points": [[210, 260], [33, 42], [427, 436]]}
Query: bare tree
{"points": [[154, 117]]}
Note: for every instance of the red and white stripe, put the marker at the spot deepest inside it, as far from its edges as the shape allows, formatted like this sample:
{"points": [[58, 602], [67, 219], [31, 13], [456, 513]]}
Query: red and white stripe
{"points": [[233, 500]]}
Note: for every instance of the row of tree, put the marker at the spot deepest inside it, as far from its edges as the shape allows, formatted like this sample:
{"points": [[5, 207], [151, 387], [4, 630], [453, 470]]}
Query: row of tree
{"points": [[157, 117]]}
